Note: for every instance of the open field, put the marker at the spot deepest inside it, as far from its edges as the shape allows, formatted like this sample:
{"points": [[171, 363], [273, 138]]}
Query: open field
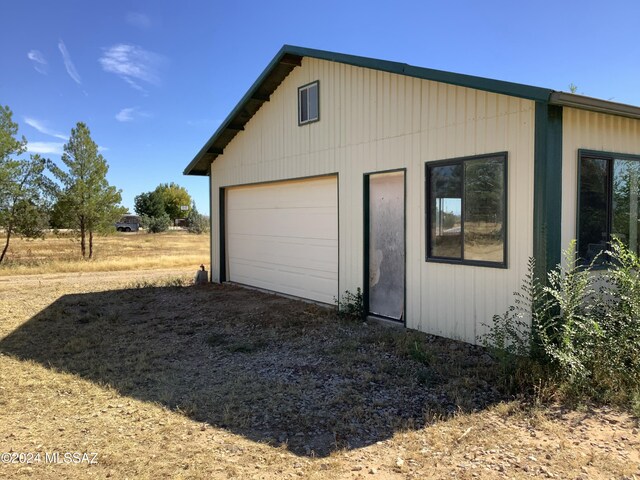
{"points": [[223, 382], [122, 251]]}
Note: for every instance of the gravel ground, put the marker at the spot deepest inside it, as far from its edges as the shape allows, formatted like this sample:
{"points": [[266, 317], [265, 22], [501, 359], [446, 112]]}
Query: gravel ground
{"points": [[270, 368], [169, 381]]}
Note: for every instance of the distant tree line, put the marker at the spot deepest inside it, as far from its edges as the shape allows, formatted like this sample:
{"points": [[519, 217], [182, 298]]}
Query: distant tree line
{"points": [[76, 194], [168, 202], [37, 194]]}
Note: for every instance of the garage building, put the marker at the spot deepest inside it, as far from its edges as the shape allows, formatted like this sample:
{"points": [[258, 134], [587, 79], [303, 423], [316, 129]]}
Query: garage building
{"points": [[429, 190]]}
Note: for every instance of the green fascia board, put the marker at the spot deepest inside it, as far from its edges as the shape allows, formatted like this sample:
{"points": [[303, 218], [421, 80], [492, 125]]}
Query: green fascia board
{"points": [[470, 81], [462, 80]]}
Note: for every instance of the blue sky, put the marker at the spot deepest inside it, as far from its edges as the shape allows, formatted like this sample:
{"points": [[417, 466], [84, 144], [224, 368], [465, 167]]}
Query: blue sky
{"points": [[153, 79]]}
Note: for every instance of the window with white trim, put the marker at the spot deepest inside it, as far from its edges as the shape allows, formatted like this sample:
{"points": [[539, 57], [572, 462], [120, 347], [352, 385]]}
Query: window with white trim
{"points": [[309, 103]]}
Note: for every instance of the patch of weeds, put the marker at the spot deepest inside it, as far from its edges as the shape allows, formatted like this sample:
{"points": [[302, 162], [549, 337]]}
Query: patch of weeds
{"points": [[574, 334], [165, 282], [433, 414], [424, 376], [247, 346], [189, 410], [508, 409], [344, 347], [76, 345], [420, 355], [217, 339], [409, 345], [635, 404], [351, 305], [143, 284]]}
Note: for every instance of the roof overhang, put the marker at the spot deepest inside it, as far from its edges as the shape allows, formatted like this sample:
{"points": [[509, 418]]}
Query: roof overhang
{"points": [[258, 94], [290, 57], [594, 104]]}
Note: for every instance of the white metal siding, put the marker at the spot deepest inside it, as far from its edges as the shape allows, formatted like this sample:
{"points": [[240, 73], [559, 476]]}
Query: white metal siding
{"points": [[582, 129], [284, 237], [372, 121]]}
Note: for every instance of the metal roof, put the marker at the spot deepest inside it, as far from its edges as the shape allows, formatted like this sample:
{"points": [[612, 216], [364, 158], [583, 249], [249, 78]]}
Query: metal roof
{"points": [[289, 57]]}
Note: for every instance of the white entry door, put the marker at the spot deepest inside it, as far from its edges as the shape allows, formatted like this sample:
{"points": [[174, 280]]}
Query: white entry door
{"points": [[283, 237]]}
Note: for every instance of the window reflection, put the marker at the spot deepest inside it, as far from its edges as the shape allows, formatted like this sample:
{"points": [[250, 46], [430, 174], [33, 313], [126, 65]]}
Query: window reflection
{"points": [[608, 204], [467, 199], [625, 202], [484, 210], [446, 219]]}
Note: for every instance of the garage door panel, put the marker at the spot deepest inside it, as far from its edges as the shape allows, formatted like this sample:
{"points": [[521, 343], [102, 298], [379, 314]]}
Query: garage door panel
{"points": [[277, 251], [289, 281], [284, 222], [298, 194], [284, 237]]}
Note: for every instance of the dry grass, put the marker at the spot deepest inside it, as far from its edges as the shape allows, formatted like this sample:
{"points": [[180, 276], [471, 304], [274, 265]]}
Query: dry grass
{"points": [[221, 382], [61, 253]]}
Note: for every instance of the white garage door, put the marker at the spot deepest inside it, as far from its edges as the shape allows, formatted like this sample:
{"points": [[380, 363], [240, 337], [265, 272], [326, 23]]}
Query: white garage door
{"points": [[284, 237]]}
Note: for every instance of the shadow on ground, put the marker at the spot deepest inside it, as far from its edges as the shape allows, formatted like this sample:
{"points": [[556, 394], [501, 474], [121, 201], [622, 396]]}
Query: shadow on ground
{"points": [[269, 368]]}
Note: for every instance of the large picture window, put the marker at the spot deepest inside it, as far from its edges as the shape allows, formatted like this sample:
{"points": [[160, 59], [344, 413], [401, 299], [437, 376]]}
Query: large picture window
{"points": [[607, 202], [467, 210]]}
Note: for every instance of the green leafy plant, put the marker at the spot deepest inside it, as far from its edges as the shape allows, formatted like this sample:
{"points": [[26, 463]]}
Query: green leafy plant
{"points": [[619, 346], [564, 325], [196, 222], [157, 224], [580, 331], [509, 337], [351, 304]]}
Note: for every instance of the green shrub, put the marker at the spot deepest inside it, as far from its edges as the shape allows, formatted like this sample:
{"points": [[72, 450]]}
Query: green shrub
{"points": [[351, 304], [564, 326], [619, 346], [580, 331], [196, 222], [157, 224]]}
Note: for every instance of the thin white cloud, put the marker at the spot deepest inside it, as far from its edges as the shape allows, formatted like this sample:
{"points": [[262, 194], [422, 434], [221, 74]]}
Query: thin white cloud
{"points": [[138, 20], [46, 148], [39, 126], [133, 64], [130, 114], [39, 62], [125, 115], [71, 69]]}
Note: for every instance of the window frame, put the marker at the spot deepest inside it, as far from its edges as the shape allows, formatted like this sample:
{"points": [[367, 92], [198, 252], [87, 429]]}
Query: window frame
{"points": [[429, 214], [300, 89], [610, 157]]}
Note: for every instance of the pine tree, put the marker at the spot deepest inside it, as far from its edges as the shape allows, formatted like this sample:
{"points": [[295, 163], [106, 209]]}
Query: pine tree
{"points": [[86, 200], [23, 186]]}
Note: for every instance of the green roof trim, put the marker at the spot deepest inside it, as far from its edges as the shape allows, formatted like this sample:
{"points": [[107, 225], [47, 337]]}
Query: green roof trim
{"points": [[480, 83], [290, 57]]}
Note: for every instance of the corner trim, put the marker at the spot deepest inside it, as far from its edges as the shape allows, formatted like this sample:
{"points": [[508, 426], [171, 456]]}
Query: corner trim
{"points": [[547, 188], [222, 192]]}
